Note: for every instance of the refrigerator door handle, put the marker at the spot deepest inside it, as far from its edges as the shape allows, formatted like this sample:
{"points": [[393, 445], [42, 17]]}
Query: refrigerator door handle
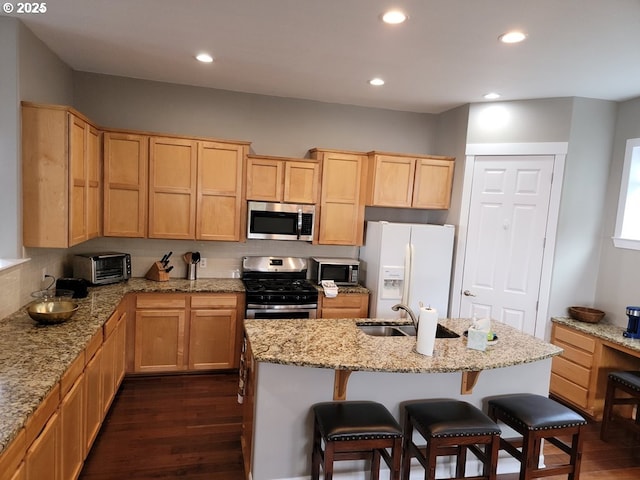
{"points": [[408, 261]]}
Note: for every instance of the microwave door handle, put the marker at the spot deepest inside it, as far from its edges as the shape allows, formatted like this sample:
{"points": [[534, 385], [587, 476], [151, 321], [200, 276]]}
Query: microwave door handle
{"points": [[299, 222]]}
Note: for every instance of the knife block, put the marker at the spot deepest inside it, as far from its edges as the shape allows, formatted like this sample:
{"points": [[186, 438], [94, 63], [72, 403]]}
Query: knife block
{"points": [[157, 273]]}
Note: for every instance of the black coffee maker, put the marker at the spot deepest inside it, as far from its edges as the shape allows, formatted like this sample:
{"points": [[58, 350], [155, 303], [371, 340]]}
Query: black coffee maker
{"points": [[633, 328]]}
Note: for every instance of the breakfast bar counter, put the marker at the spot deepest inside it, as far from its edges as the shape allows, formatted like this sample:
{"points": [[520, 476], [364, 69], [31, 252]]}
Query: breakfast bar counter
{"points": [[297, 363]]}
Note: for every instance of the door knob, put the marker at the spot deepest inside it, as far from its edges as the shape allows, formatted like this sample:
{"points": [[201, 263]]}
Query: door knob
{"points": [[467, 293]]}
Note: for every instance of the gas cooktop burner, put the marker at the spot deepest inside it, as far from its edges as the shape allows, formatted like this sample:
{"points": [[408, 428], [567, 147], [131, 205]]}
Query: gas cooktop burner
{"points": [[268, 285]]}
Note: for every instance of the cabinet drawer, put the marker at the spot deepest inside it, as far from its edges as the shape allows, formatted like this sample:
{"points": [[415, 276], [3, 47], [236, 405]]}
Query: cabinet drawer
{"points": [[568, 390], [214, 301], [71, 375], [344, 301], [564, 368], [41, 416], [576, 355], [161, 300], [574, 338]]}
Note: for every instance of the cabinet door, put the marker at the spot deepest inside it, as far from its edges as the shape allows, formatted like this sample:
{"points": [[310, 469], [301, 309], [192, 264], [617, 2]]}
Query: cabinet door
{"points": [[342, 202], [120, 353], [126, 160], [392, 181], [301, 182], [43, 456], [212, 339], [94, 183], [20, 473], [159, 340], [264, 179], [72, 430], [93, 399], [219, 201], [433, 181], [78, 180], [172, 188], [108, 371]]}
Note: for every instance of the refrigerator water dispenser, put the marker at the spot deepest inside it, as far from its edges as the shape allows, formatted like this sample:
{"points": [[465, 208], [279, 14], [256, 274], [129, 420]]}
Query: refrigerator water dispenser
{"points": [[392, 283]]}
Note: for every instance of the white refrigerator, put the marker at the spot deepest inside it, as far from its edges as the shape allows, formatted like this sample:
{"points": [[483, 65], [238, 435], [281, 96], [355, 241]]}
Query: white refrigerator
{"points": [[407, 263]]}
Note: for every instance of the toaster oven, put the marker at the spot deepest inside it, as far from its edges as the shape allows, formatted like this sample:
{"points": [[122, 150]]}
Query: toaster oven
{"points": [[102, 268]]}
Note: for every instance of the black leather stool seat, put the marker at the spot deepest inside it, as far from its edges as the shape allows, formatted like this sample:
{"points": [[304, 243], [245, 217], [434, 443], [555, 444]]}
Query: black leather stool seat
{"points": [[536, 412], [355, 430], [340, 421], [629, 379], [449, 427], [451, 418], [628, 383], [539, 418]]}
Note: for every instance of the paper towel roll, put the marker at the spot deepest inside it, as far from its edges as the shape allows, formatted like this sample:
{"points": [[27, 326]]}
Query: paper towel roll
{"points": [[427, 325]]}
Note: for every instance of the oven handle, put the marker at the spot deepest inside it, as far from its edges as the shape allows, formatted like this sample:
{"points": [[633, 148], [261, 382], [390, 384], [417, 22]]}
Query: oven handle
{"points": [[279, 308]]}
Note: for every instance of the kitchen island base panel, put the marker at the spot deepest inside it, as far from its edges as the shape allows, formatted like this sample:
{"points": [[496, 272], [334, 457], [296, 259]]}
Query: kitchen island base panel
{"points": [[285, 393]]}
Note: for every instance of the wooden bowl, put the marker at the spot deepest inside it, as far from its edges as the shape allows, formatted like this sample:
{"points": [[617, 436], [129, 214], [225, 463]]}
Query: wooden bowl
{"points": [[50, 312], [586, 314]]}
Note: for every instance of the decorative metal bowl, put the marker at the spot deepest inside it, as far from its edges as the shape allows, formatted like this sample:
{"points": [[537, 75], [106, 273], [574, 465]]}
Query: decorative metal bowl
{"points": [[50, 312]]}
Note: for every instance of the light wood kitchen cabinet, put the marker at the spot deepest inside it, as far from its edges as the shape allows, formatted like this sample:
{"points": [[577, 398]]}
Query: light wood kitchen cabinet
{"points": [[344, 306], [60, 177], [126, 163], [176, 332], [93, 398], [172, 188], [160, 333], [342, 197], [220, 206], [112, 357], [579, 374], [409, 181], [213, 339], [20, 473], [280, 179], [72, 430], [42, 461]]}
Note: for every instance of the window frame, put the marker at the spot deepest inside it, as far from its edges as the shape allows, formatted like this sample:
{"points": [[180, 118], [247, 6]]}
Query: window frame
{"points": [[631, 155]]}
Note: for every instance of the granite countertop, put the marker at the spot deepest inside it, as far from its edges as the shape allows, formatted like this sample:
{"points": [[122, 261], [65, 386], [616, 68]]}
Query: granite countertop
{"points": [[603, 331], [339, 344], [34, 357]]}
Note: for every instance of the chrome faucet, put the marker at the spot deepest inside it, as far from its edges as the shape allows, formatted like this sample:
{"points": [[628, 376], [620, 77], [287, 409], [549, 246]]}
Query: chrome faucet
{"points": [[402, 306]]}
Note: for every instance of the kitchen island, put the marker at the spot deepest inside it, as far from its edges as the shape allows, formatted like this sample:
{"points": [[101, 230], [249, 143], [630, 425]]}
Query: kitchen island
{"points": [[300, 362]]}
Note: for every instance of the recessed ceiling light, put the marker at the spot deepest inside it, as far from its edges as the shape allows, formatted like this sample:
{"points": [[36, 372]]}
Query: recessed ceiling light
{"points": [[394, 17], [204, 58], [491, 96], [376, 82], [512, 37]]}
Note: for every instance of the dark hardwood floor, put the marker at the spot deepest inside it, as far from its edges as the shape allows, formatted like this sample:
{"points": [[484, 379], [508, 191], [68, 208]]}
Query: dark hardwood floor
{"points": [[188, 426], [182, 426]]}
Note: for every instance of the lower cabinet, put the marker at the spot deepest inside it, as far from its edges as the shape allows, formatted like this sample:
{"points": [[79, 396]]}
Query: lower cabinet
{"points": [[72, 426], [42, 460], [344, 306], [177, 332]]}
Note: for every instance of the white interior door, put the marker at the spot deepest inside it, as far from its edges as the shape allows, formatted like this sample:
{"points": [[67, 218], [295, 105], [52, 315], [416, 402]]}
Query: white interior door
{"points": [[505, 241]]}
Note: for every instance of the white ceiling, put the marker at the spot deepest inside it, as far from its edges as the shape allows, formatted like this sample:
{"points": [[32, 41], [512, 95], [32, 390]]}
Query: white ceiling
{"points": [[445, 55]]}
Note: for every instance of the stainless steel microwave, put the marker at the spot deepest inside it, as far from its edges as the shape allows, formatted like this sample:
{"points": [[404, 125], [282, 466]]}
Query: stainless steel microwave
{"points": [[102, 268], [343, 271], [280, 221]]}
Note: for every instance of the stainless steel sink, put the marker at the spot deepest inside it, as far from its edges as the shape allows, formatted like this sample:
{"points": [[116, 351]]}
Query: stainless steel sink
{"points": [[386, 330]]}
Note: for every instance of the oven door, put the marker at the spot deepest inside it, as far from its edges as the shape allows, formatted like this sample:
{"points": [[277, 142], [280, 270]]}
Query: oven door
{"points": [[269, 312]]}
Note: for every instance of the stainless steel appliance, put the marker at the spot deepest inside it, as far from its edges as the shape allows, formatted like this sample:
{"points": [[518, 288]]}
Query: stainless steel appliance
{"points": [[343, 271], [633, 327], [280, 221], [277, 287], [102, 268]]}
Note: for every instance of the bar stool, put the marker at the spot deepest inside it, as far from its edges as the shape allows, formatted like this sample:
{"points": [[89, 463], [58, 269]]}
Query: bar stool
{"points": [[355, 430], [450, 427], [629, 383], [536, 418]]}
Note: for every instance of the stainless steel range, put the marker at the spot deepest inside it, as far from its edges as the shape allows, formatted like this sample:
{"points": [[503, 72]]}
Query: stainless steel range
{"points": [[277, 287]]}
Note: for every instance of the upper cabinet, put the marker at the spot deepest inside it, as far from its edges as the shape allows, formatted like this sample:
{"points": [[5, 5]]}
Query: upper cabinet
{"points": [[219, 211], [342, 196], [406, 181], [126, 160], [172, 188], [279, 179], [61, 172], [178, 188]]}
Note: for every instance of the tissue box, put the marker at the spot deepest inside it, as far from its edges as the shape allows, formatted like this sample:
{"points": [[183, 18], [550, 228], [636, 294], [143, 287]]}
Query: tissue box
{"points": [[477, 339]]}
